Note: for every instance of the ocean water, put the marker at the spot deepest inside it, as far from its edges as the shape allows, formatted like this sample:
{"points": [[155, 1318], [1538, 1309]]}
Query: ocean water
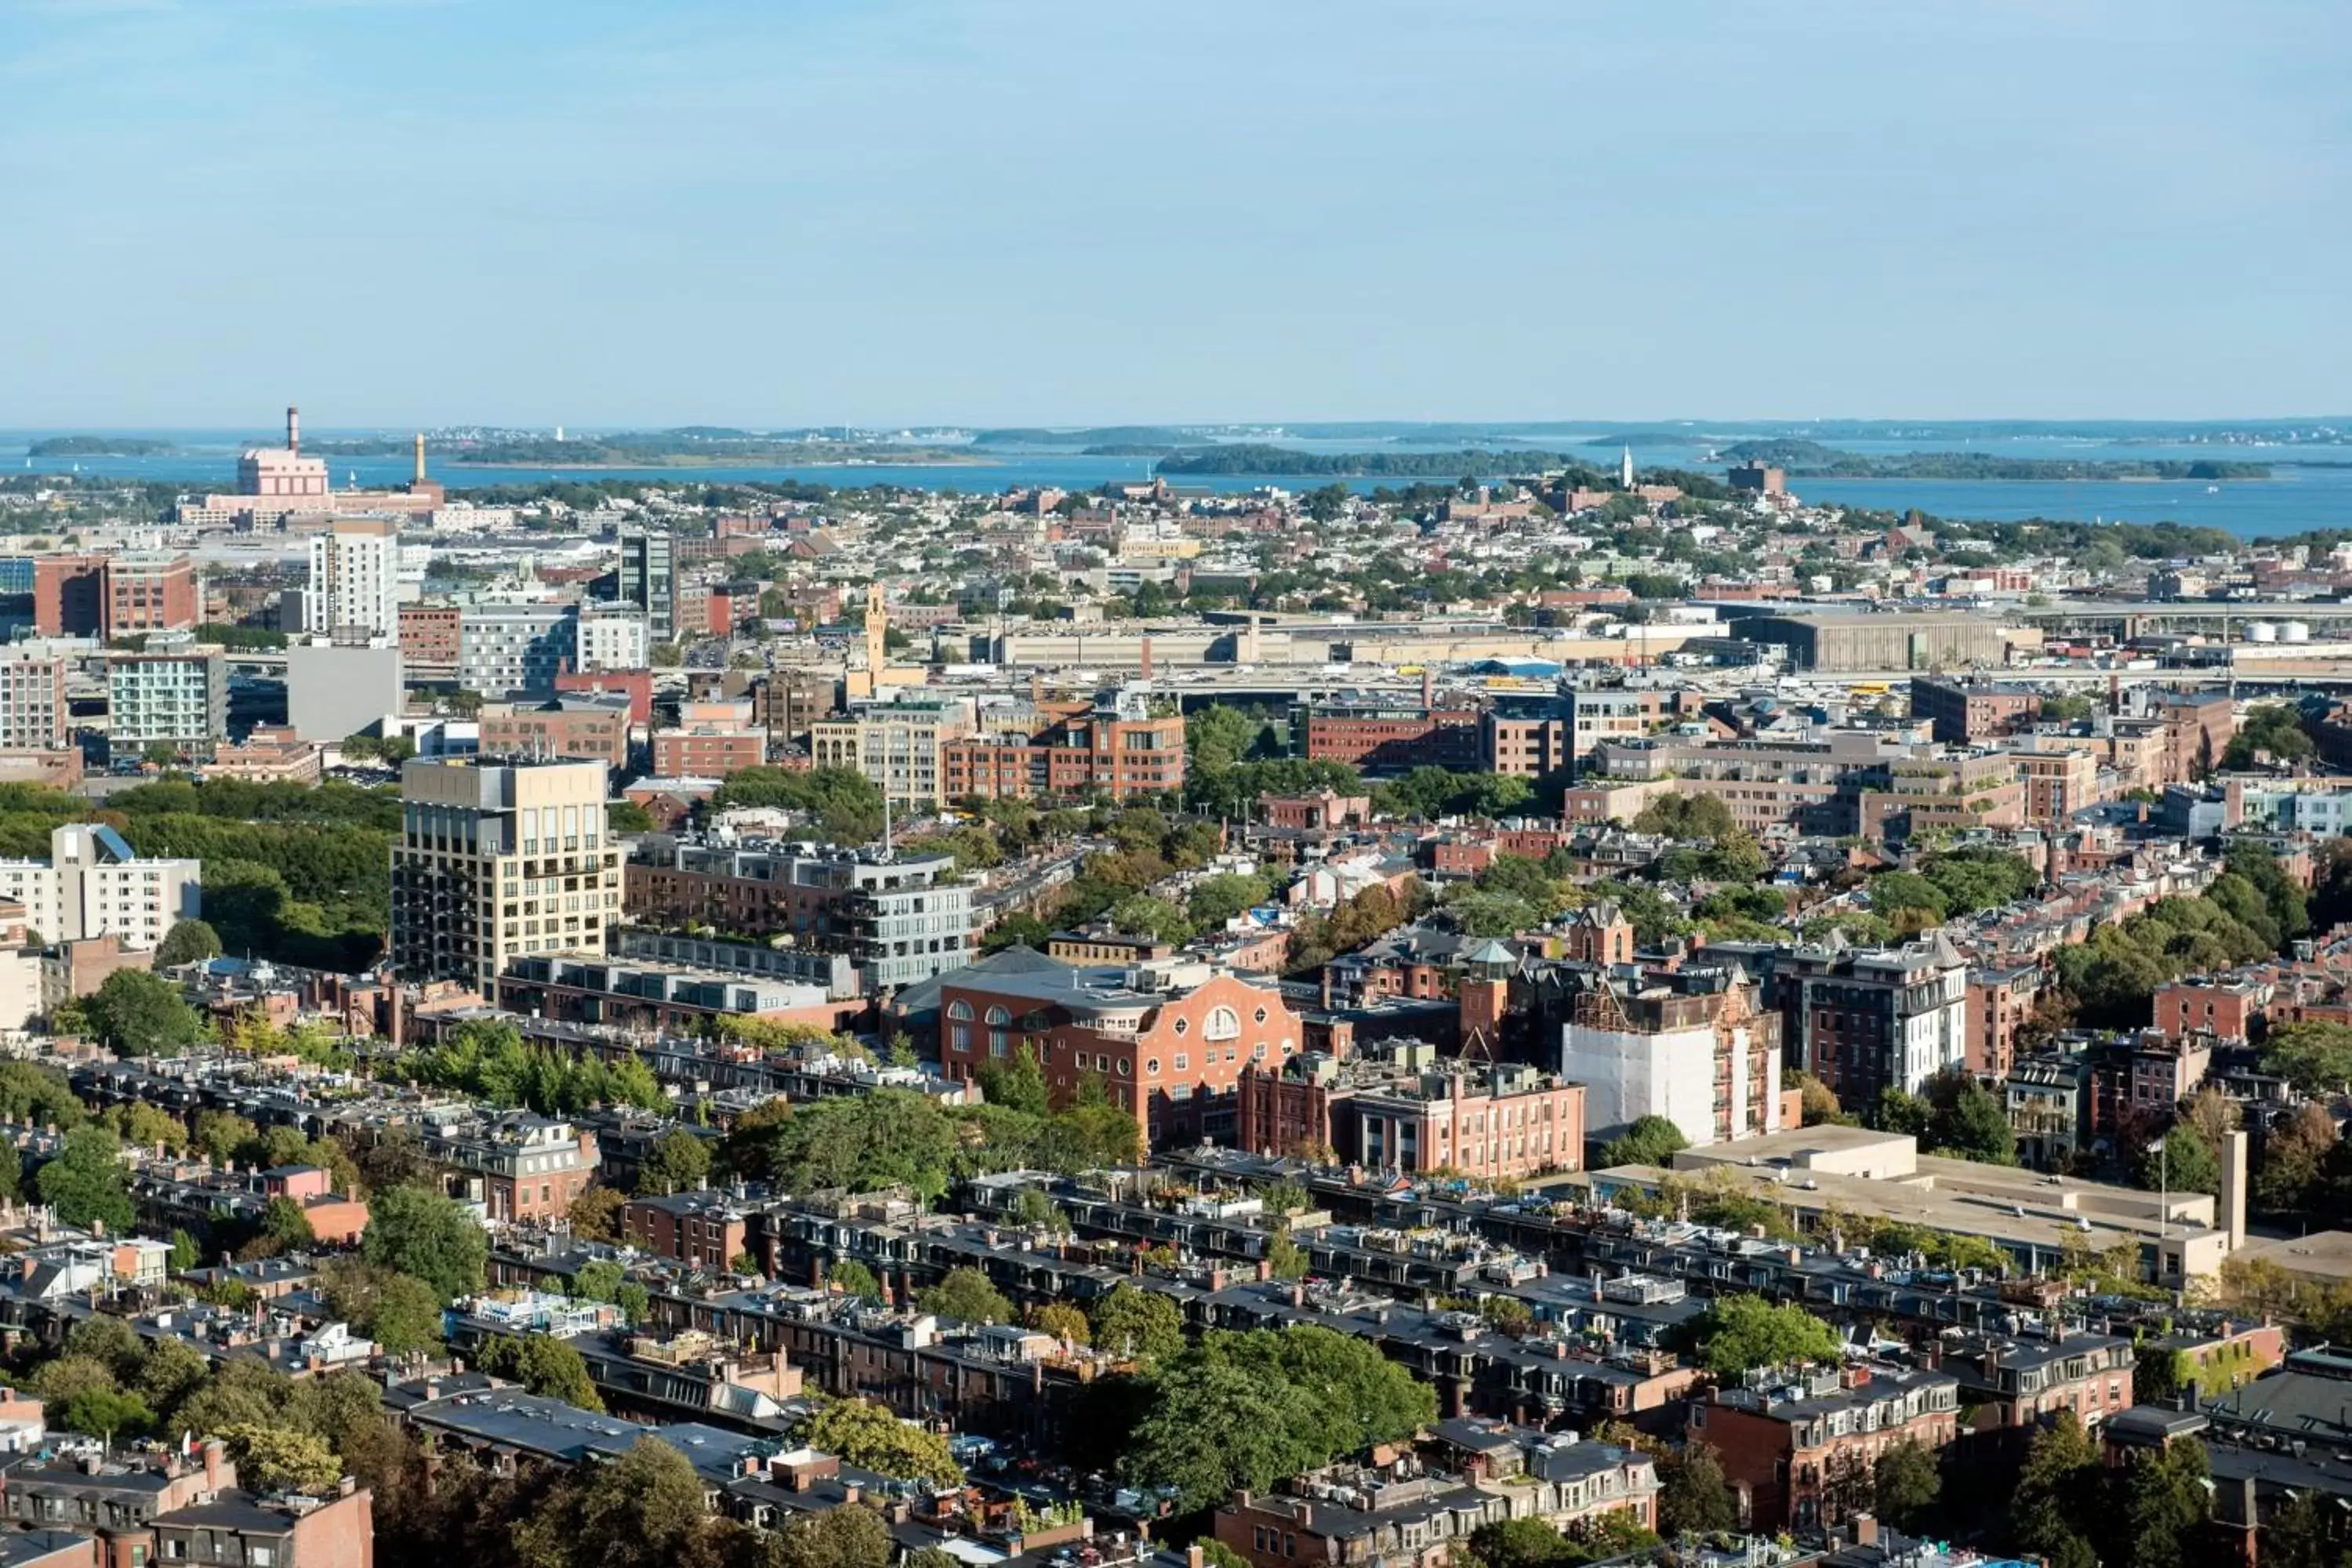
{"points": [[2295, 498]]}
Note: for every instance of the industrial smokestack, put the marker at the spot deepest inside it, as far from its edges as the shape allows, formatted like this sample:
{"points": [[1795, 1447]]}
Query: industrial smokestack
{"points": [[2233, 1186], [293, 428], [420, 456]]}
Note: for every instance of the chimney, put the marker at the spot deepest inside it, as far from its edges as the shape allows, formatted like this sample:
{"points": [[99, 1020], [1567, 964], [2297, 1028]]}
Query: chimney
{"points": [[1192, 1555], [2233, 1187], [1865, 1529], [852, 1492], [1428, 686], [293, 428], [420, 456], [212, 1458], [1147, 658]]}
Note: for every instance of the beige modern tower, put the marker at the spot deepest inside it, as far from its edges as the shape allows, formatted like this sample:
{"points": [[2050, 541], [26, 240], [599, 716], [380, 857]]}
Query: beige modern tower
{"points": [[495, 860]]}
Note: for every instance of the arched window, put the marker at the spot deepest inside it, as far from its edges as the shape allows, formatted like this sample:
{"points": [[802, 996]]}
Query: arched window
{"points": [[998, 1017], [1225, 1024], [1000, 1038], [959, 1008]]}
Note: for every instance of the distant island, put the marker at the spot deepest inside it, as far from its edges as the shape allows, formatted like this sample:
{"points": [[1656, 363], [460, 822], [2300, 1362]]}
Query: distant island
{"points": [[699, 446], [1155, 436], [98, 447], [1811, 459], [1251, 457]]}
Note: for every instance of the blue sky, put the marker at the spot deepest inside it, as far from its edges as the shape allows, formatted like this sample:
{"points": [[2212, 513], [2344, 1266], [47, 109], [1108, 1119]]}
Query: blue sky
{"points": [[609, 212]]}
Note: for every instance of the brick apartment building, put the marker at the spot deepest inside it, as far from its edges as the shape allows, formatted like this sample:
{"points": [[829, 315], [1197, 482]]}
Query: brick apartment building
{"points": [[109, 596], [1170, 1041], [1075, 753], [708, 752], [528, 1167], [429, 636], [635, 685], [702, 1230], [1387, 734], [581, 730], [1398, 1107], [1802, 1444], [1965, 711]]}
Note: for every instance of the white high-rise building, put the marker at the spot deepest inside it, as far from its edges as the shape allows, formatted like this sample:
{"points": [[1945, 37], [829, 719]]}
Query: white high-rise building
{"points": [[355, 578], [92, 885], [612, 636]]}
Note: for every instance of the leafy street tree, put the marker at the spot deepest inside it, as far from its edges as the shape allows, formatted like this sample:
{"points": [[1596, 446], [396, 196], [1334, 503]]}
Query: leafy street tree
{"points": [[1694, 1496], [544, 1365], [1525, 1542], [278, 1458], [1650, 1140], [86, 1183], [2185, 1162], [871, 1438], [1139, 1324], [106, 1414], [852, 1277], [1062, 1321], [186, 942], [1905, 1484], [2165, 1504], [679, 1162], [1246, 1409], [595, 1213], [138, 1015], [1740, 1333], [2057, 1492], [966, 1295], [429, 1237]]}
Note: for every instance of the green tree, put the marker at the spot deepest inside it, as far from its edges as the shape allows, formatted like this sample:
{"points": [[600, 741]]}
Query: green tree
{"points": [[186, 942], [1284, 1259], [1650, 1141], [285, 1226], [679, 1162], [1694, 1496], [1968, 1120], [596, 1215], [598, 1280], [871, 1438], [2180, 1161], [280, 1459], [172, 1370], [644, 1509], [966, 1295], [428, 1237], [1239, 1407], [2166, 1502], [1062, 1321], [86, 1184], [852, 1277], [137, 1014], [2056, 1492], [1016, 1082], [543, 1365], [1142, 1325], [837, 1538], [103, 1414], [1905, 1484], [1518, 1543], [1740, 1333]]}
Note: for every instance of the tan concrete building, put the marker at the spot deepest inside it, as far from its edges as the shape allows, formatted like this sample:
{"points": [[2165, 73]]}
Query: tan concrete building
{"points": [[496, 860]]}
